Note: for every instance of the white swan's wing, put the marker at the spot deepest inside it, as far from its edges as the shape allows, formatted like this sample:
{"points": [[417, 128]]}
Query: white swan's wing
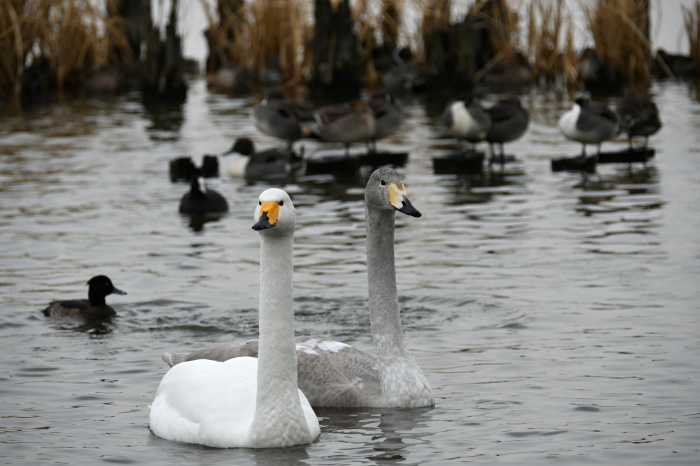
{"points": [[206, 402], [222, 353], [331, 374]]}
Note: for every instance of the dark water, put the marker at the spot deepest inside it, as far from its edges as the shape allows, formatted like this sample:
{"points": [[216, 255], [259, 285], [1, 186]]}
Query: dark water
{"points": [[556, 316]]}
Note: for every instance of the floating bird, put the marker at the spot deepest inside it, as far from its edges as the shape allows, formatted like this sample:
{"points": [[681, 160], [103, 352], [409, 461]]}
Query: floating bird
{"points": [[247, 402], [335, 374], [269, 165], [92, 308], [466, 119], [639, 116], [388, 117], [347, 123], [588, 123], [201, 200], [283, 118], [509, 120]]}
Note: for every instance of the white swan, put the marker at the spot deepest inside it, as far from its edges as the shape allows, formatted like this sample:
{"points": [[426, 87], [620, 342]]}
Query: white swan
{"points": [[247, 402], [334, 374]]}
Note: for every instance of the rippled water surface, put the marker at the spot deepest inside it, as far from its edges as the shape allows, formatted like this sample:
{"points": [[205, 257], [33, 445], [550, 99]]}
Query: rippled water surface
{"points": [[556, 316]]}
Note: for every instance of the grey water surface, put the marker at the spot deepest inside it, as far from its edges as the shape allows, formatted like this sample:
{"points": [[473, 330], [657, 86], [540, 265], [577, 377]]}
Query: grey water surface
{"points": [[556, 316]]}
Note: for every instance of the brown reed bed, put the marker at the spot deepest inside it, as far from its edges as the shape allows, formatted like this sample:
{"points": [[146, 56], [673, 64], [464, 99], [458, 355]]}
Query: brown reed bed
{"points": [[63, 41], [620, 32], [691, 21], [254, 34], [550, 42]]}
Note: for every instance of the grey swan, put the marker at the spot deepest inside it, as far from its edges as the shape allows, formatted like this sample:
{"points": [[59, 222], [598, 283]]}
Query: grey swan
{"points": [[247, 402], [334, 374]]}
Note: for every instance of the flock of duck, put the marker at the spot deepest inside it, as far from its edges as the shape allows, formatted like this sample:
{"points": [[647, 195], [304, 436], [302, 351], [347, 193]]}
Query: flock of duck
{"points": [[261, 393], [367, 121]]}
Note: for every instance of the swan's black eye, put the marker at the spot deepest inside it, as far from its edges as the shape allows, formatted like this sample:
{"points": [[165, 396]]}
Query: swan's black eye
{"points": [[259, 202], [383, 183], [281, 203]]}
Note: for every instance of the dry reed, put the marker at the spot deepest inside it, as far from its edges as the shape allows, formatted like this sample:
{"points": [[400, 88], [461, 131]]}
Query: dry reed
{"points": [[259, 32], [550, 41], [619, 29], [691, 20], [72, 36]]}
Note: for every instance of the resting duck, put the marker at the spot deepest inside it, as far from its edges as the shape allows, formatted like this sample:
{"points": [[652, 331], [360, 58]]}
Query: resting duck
{"points": [[94, 307]]}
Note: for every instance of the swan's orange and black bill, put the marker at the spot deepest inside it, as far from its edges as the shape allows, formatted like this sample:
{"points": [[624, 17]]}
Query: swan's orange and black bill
{"points": [[398, 197], [269, 214]]}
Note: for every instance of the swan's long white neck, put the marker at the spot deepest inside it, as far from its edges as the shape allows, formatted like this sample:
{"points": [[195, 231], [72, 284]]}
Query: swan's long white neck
{"points": [[277, 391], [400, 376]]}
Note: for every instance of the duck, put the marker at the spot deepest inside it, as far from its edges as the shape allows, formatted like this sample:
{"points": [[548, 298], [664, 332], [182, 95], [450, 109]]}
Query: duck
{"points": [[588, 123], [247, 402], [272, 164], [202, 200], [93, 308], [509, 121], [336, 374], [639, 116], [283, 118], [347, 123], [388, 117], [466, 119]]}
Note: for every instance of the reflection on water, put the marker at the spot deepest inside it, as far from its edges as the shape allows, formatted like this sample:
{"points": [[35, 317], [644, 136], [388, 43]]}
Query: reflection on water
{"points": [[540, 305]]}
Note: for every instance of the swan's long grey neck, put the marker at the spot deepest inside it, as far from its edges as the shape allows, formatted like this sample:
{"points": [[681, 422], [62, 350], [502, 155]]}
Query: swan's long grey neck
{"points": [[383, 300], [277, 390]]}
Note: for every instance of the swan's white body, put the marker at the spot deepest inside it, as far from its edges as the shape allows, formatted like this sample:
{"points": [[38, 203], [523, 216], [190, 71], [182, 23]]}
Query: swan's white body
{"points": [[334, 374], [247, 402]]}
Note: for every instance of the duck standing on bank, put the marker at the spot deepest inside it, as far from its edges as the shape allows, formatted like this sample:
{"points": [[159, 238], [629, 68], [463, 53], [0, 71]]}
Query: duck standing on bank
{"points": [[346, 123], [639, 116], [283, 118], [93, 308], [588, 123], [509, 121], [388, 117], [466, 119]]}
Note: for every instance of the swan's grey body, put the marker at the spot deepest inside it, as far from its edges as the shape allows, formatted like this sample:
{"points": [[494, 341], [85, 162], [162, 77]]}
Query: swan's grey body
{"points": [[334, 374], [246, 402]]}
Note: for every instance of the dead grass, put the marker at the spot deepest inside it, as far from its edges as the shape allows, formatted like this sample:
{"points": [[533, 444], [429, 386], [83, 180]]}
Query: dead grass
{"points": [[618, 28], [263, 30], [550, 42], [73, 36]]}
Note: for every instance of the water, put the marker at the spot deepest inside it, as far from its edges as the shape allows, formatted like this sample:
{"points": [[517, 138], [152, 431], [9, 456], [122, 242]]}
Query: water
{"points": [[555, 316]]}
